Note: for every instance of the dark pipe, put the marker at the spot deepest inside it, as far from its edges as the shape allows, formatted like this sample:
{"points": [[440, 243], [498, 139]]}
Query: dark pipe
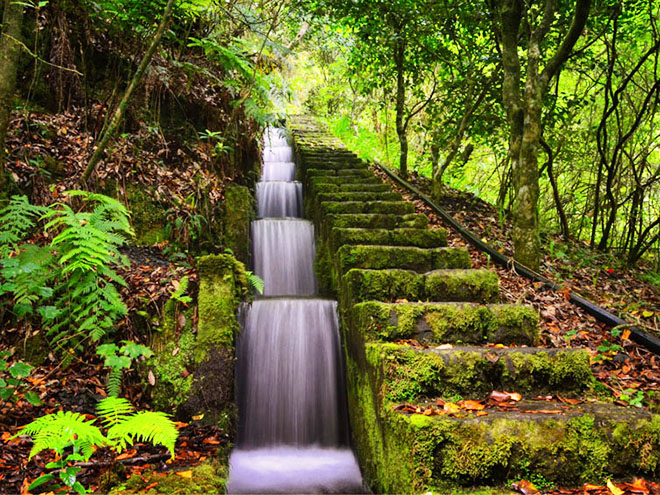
{"points": [[636, 334]]}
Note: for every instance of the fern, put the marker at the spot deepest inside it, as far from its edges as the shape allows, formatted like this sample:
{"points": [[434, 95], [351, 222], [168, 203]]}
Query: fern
{"points": [[16, 220], [114, 410], [255, 282], [64, 429], [144, 426]]}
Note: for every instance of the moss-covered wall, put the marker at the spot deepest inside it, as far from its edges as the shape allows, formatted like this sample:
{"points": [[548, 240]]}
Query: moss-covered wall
{"points": [[194, 371], [239, 212]]}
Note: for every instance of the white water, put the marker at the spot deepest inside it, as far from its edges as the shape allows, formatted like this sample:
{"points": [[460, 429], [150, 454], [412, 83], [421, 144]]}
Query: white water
{"points": [[279, 199], [293, 426]]}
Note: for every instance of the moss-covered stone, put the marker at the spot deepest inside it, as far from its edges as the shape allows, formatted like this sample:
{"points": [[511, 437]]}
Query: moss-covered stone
{"points": [[316, 188], [359, 196], [325, 179], [194, 373], [381, 285], [343, 207], [374, 221], [447, 322], [462, 285], [415, 453], [208, 477], [410, 258], [421, 238], [239, 211], [147, 214]]}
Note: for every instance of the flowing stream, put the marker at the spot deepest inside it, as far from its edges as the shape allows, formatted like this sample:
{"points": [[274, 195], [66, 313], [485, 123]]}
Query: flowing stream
{"points": [[293, 427]]}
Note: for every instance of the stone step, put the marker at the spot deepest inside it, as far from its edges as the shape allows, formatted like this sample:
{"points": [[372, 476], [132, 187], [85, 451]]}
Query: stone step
{"points": [[455, 285], [326, 188], [355, 196], [422, 238], [330, 158], [365, 207], [409, 258], [320, 181], [348, 172], [413, 374], [564, 444], [454, 323], [335, 165], [372, 221]]}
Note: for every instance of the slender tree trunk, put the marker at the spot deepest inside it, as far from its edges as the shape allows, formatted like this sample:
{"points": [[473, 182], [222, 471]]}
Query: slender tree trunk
{"points": [[12, 22], [401, 108], [118, 114], [563, 221]]}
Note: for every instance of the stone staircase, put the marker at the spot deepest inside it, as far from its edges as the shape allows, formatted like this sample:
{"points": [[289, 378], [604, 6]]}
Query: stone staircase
{"points": [[397, 280]]}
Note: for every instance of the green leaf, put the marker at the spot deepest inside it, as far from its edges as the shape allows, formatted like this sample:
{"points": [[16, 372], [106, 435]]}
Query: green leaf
{"points": [[68, 475], [134, 350], [32, 398], [20, 370], [44, 478], [6, 393], [106, 350], [118, 362]]}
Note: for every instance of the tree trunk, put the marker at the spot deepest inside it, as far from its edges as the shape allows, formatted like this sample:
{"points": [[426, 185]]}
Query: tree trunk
{"points": [[118, 114], [401, 108], [563, 221], [12, 22]]}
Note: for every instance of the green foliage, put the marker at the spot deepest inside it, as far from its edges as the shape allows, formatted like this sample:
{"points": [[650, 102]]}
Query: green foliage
{"points": [[124, 426], [119, 359], [255, 282], [13, 380], [180, 289], [17, 219], [70, 283]]}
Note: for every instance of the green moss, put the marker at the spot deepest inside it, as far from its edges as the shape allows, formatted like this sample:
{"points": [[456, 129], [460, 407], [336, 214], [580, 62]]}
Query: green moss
{"points": [[172, 366], [409, 258], [208, 477], [462, 285], [239, 211], [421, 238], [381, 285], [391, 207], [222, 285], [374, 221], [147, 214], [567, 370], [513, 324], [357, 196]]}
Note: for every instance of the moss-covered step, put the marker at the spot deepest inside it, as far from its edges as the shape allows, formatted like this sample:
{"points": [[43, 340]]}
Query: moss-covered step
{"points": [[328, 180], [317, 188], [452, 323], [417, 454], [409, 258], [462, 285], [356, 196], [414, 374], [352, 207], [346, 164], [479, 286], [373, 221], [422, 238], [348, 173]]}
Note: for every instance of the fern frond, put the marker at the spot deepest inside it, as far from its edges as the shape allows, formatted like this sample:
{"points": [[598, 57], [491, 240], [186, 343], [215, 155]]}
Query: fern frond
{"points": [[60, 430], [114, 410], [114, 381], [145, 426]]}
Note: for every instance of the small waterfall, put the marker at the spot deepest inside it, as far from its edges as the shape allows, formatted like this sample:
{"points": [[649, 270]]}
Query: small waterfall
{"points": [[279, 199], [304, 360], [285, 171], [283, 256], [293, 426]]}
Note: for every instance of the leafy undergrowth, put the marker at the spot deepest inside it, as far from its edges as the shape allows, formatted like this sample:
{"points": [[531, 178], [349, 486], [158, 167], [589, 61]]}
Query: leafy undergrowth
{"points": [[626, 372]]}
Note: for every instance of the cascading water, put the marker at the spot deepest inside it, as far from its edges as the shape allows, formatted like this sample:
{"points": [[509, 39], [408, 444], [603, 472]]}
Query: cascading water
{"points": [[293, 427]]}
